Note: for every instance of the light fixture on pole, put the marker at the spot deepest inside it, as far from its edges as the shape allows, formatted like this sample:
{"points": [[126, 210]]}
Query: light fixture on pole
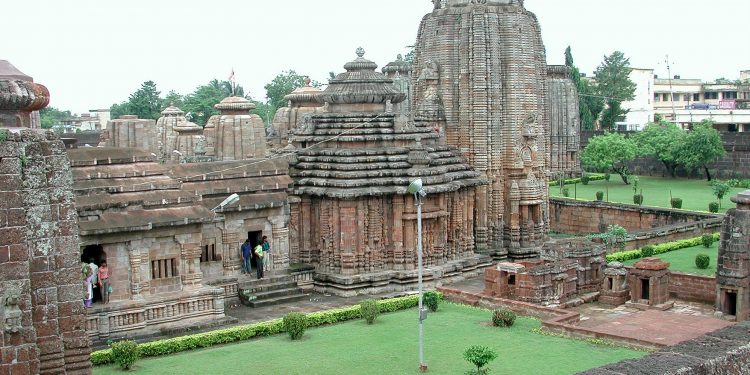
{"points": [[415, 187], [232, 199]]}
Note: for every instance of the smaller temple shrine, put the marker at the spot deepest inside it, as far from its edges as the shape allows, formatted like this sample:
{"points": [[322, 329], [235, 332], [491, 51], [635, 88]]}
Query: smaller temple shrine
{"points": [[302, 100], [649, 285], [351, 217], [235, 134]]}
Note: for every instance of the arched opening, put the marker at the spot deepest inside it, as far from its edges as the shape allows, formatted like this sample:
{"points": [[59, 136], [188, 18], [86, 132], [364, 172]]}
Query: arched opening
{"points": [[94, 254]]}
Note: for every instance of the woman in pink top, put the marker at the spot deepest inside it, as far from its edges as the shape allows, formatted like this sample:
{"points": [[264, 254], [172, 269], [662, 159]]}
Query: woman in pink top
{"points": [[103, 276]]}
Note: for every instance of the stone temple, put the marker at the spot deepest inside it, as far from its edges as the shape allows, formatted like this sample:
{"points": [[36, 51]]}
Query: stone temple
{"points": [[484, 62], [354, 160]]}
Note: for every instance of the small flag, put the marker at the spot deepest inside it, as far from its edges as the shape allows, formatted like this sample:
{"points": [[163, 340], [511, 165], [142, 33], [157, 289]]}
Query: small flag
{"points": [[231, 76]]}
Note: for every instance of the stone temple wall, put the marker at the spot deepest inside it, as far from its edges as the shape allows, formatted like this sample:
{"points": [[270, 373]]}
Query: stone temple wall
{"points": [[41, 288]]}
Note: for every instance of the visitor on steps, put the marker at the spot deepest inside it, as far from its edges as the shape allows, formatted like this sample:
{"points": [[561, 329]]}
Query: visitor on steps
{"points": [[259, 256], [266, 250], [103, 278], [246, 256], [88, 280]]}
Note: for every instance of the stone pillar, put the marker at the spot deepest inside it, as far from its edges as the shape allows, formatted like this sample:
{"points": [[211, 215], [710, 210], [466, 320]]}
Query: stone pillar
{"points": [[190, 256], [279, 245], [135, 272], [733, 266], [231, 257]]}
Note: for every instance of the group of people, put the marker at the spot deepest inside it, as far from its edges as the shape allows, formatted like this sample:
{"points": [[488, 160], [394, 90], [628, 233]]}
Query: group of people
{"points": [[255, 253], [96, 277]]}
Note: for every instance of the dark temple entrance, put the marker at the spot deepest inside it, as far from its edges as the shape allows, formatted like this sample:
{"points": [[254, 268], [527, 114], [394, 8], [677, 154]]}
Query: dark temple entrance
{"points": [[94, 254]]}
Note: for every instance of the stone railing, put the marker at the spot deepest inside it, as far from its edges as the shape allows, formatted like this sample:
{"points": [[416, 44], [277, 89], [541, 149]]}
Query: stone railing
{"points": [[123, 318], [304, 279]]}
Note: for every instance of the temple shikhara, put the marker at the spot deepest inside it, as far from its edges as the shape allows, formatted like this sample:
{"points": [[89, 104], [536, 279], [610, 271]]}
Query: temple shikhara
{"points": [[478, 115]]}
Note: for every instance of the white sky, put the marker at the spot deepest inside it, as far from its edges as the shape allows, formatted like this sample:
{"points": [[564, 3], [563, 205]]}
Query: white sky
{"points": [[93, 53]]}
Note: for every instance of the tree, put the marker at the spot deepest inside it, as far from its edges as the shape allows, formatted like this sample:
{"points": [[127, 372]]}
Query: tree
{"points": [[479, 356], [282, 85], [701, 147], [661, 140], [720, 189], [610, 152], [173, 98], [200, 103], [144, 103], [590, 105], [51, 116], [614, 83]]}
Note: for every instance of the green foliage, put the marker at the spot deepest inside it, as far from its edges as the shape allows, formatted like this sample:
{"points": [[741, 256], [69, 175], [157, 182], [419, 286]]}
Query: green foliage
{"points": [[647, 251], [702, 261], [432, 300], [623, 256], [736, 183], [370, 310], [282, 85], [590, 104], [503, 318], [125, 353], [566, 192], [246, 332], [707, 240], [295, 324], [701, 147], [720, 189], [585, 179], [144, 103], [479, 356], [52, 116], [3, 135], [607, 176], [713, 207], [572, 181], [200, 103], [638, 199], [610, 152], [676, 202], [614, 234], [600, 196], [662, 140], [614, 83]]}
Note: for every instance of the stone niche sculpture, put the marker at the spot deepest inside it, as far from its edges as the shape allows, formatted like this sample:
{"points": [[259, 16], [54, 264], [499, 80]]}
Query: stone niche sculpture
{"points": [[733, 266], [43, 319], [486, 62]]}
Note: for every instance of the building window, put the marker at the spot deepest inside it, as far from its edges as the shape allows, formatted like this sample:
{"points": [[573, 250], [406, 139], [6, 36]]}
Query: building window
{"points": [[711, 95], [675, 97], [696, 97], [665, 97], [163, 268], [657, 97], [729, 94], [208, 253], [687, 97]]}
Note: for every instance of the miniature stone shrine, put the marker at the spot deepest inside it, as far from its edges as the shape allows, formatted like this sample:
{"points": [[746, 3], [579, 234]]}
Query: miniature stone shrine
{"points": [[649, 284], [614, 289]]}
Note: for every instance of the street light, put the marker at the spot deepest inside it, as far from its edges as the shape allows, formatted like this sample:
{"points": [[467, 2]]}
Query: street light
{"points": [[415, 187], [232, 199]]}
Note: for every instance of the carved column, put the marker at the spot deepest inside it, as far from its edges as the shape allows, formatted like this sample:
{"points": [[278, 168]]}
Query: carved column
{"points": [[280, 245], [231, 258], [135, 272], [191, 269]]}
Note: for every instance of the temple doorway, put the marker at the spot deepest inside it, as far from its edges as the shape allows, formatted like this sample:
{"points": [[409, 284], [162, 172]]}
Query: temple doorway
{"points": [[729, 307], [255, 238], [645, 289], [94, 254]]}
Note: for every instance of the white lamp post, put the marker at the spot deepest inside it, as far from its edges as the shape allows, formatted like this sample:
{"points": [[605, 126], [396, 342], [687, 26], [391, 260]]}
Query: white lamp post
{"points": [[232, 199], [415, 187]]}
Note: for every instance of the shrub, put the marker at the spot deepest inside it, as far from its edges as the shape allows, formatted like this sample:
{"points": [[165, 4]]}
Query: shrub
{"points": [[432, 300], [623, 256], [600, 195], [295, 324], [479, 356], [370, 310], [566, 192], [607, 176], [707, 240], [647, 251], [713, 207], [585, 179], [638, 199], [676, 202], [503, 318], [702, 261], [125, 353]]}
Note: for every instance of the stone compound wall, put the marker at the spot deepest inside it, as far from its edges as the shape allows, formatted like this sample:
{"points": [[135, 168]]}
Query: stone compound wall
{"points": [[40, 279], [723, 352], [692, 287], [645, 225], [736, 163]]}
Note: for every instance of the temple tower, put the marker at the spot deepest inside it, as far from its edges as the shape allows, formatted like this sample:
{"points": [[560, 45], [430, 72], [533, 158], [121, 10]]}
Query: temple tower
{"points": [[236, 134], [485, 62], [399, 71], [565, 122], [302, 100]]}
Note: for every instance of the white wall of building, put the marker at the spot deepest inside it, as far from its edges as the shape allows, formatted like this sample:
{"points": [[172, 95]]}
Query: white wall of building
{"points": [[642, 106]]}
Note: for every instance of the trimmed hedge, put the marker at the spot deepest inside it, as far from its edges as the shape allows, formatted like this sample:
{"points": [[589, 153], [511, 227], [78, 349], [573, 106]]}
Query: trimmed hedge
{"points": [[623, 256], [246, 332], [570, 181]]}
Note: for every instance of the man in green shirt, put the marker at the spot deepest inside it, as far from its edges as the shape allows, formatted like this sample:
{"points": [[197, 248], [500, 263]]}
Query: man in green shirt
{"points": [[258, 250]]}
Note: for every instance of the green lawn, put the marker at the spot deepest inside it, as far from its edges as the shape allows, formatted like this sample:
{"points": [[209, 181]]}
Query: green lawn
{"points": [[683, 260], [695, 194], [390, 347]]}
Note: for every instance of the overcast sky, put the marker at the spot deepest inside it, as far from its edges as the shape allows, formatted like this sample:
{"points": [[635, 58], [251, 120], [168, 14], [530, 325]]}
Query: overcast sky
{"points": [[93, 53]]}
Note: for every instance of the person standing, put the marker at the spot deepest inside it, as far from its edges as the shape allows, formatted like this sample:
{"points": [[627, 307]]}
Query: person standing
{"points": [[266, 250], [259, 259], [103, 278], [94, 275], [88, 279], [246, 249]]}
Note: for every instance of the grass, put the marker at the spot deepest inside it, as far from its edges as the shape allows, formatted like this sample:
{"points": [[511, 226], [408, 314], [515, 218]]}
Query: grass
{"points": [[695, 194], [390, 347], [683, 260]]}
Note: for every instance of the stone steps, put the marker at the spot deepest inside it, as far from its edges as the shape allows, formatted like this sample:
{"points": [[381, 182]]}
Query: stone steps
{"points": [[271, 290]]}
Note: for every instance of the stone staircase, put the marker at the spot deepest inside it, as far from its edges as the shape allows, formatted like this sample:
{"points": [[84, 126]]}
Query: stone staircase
{"points": [[271, 290]]}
